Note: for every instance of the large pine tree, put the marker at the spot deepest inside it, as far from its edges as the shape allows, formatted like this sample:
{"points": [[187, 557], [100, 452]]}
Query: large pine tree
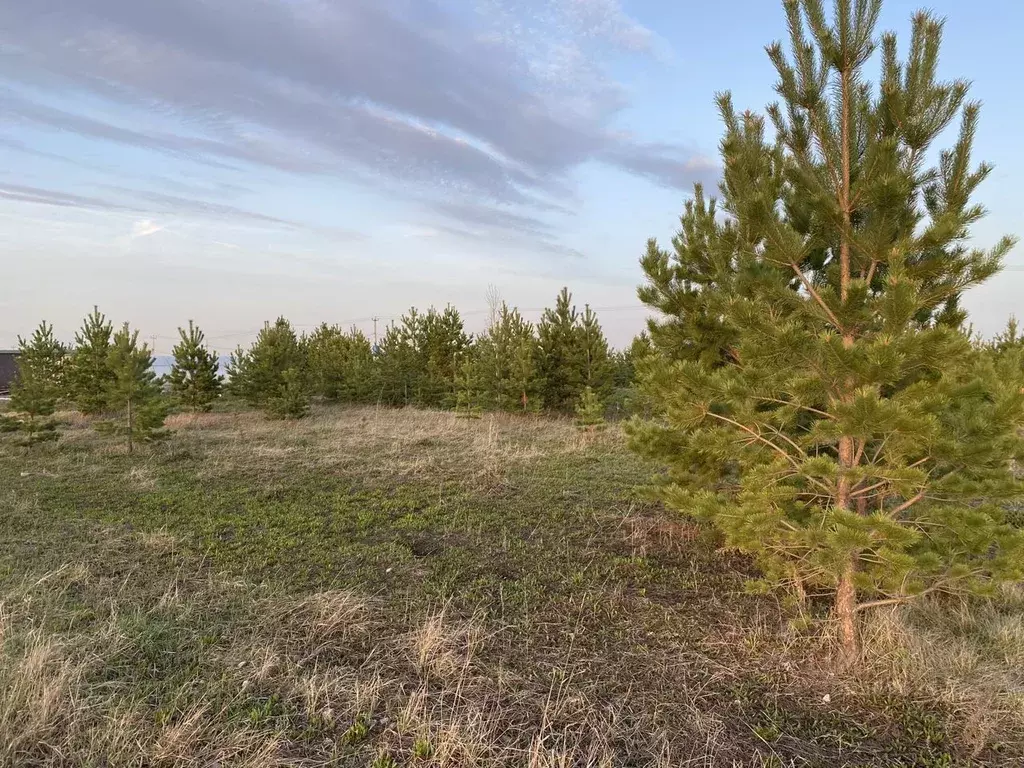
{"points": [[133, 396], [817, 397], [194, 379], [89, 375]]}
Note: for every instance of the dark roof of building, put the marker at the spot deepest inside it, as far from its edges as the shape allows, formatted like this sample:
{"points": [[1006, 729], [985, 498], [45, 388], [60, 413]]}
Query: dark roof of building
{"points": [[8, 369]]}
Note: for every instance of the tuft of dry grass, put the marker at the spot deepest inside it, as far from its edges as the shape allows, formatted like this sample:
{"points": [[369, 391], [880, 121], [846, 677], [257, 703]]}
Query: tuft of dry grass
{"points": [[40, 686], [142, 478], [968, 655], [320, 624]]}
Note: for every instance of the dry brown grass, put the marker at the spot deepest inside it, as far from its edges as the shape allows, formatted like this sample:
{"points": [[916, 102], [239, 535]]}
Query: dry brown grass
{"points": [[400, 443], [537, 614], [421, 694], [968, 655]]}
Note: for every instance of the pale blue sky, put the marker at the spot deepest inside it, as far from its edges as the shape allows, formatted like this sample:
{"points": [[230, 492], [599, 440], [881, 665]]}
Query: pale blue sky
{"points": [[233, 160]]}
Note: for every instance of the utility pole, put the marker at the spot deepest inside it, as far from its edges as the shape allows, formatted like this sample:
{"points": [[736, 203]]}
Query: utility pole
{"points": [[375, 319]]}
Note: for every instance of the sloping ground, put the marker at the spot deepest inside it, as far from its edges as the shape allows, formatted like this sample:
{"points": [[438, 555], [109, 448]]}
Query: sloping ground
{"points": [[374, 587]]}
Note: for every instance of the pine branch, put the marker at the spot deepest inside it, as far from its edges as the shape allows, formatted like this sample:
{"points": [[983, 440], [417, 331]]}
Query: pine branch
{"points": [[809, 409], [908, 503], [778, 449], [871, 272], [757, 436], [816, 296], [903, 599]]}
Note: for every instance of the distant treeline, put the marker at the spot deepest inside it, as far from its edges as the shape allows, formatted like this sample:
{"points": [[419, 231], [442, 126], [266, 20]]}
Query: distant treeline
{"points": [[428, 359], [563, 364]]}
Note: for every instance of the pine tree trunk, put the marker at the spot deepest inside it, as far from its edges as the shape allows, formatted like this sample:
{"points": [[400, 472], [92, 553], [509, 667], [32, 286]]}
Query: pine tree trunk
{"points": [[846, 591], [131, 426], [845, 610]]}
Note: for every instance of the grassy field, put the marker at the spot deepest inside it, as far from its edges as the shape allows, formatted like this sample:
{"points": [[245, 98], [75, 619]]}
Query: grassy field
{"points": [[403, 588]]}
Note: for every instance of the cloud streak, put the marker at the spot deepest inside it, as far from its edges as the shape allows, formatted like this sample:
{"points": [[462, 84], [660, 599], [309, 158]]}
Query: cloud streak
{"points": [[399, 91], [148, 202], [145, 228]]}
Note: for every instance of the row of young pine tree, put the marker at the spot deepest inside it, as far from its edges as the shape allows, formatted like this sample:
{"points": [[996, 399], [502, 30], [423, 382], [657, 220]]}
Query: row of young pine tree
{"points": [[107, 374], [562, 365]]}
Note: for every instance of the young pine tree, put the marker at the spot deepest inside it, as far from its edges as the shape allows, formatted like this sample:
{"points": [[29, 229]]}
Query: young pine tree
{"points": [[37, 386], [441, 342], [291, 401], [358, 379], [589, 411], [194, 379], [400, 367], [468, 395], [327, 350], [258, 375], [817, 398], [45, 358], [341, 365], [89, 375], [598, 368], [507, 356], [628, 397], [1009, 340], [561, 358], [134, 395]]}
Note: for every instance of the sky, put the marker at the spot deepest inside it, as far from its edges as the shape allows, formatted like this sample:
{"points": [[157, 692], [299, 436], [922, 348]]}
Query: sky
{"points": [[230, 161]]}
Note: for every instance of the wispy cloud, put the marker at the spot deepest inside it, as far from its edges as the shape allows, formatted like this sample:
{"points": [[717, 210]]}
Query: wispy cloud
{"points": [[140, 201], [498, 106], [27, 194], [145, 228]]}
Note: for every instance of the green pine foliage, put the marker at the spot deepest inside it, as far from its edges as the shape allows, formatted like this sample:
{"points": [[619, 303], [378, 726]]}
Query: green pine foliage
{"points": [[34, 404], [627, 398], [194, 379], [506, 356], [685, 286], [572, 354], [1009, 341], [418, 358], [468, 393], [590, 411], [399, 368], [441, 343], [598, 368], [359, 371], [44, 358], [134, 398], [1006, 350], [89, 376], [37, 386], [816, 396], [258, 375], [341, 365], [291, 401], [561, 364]]}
